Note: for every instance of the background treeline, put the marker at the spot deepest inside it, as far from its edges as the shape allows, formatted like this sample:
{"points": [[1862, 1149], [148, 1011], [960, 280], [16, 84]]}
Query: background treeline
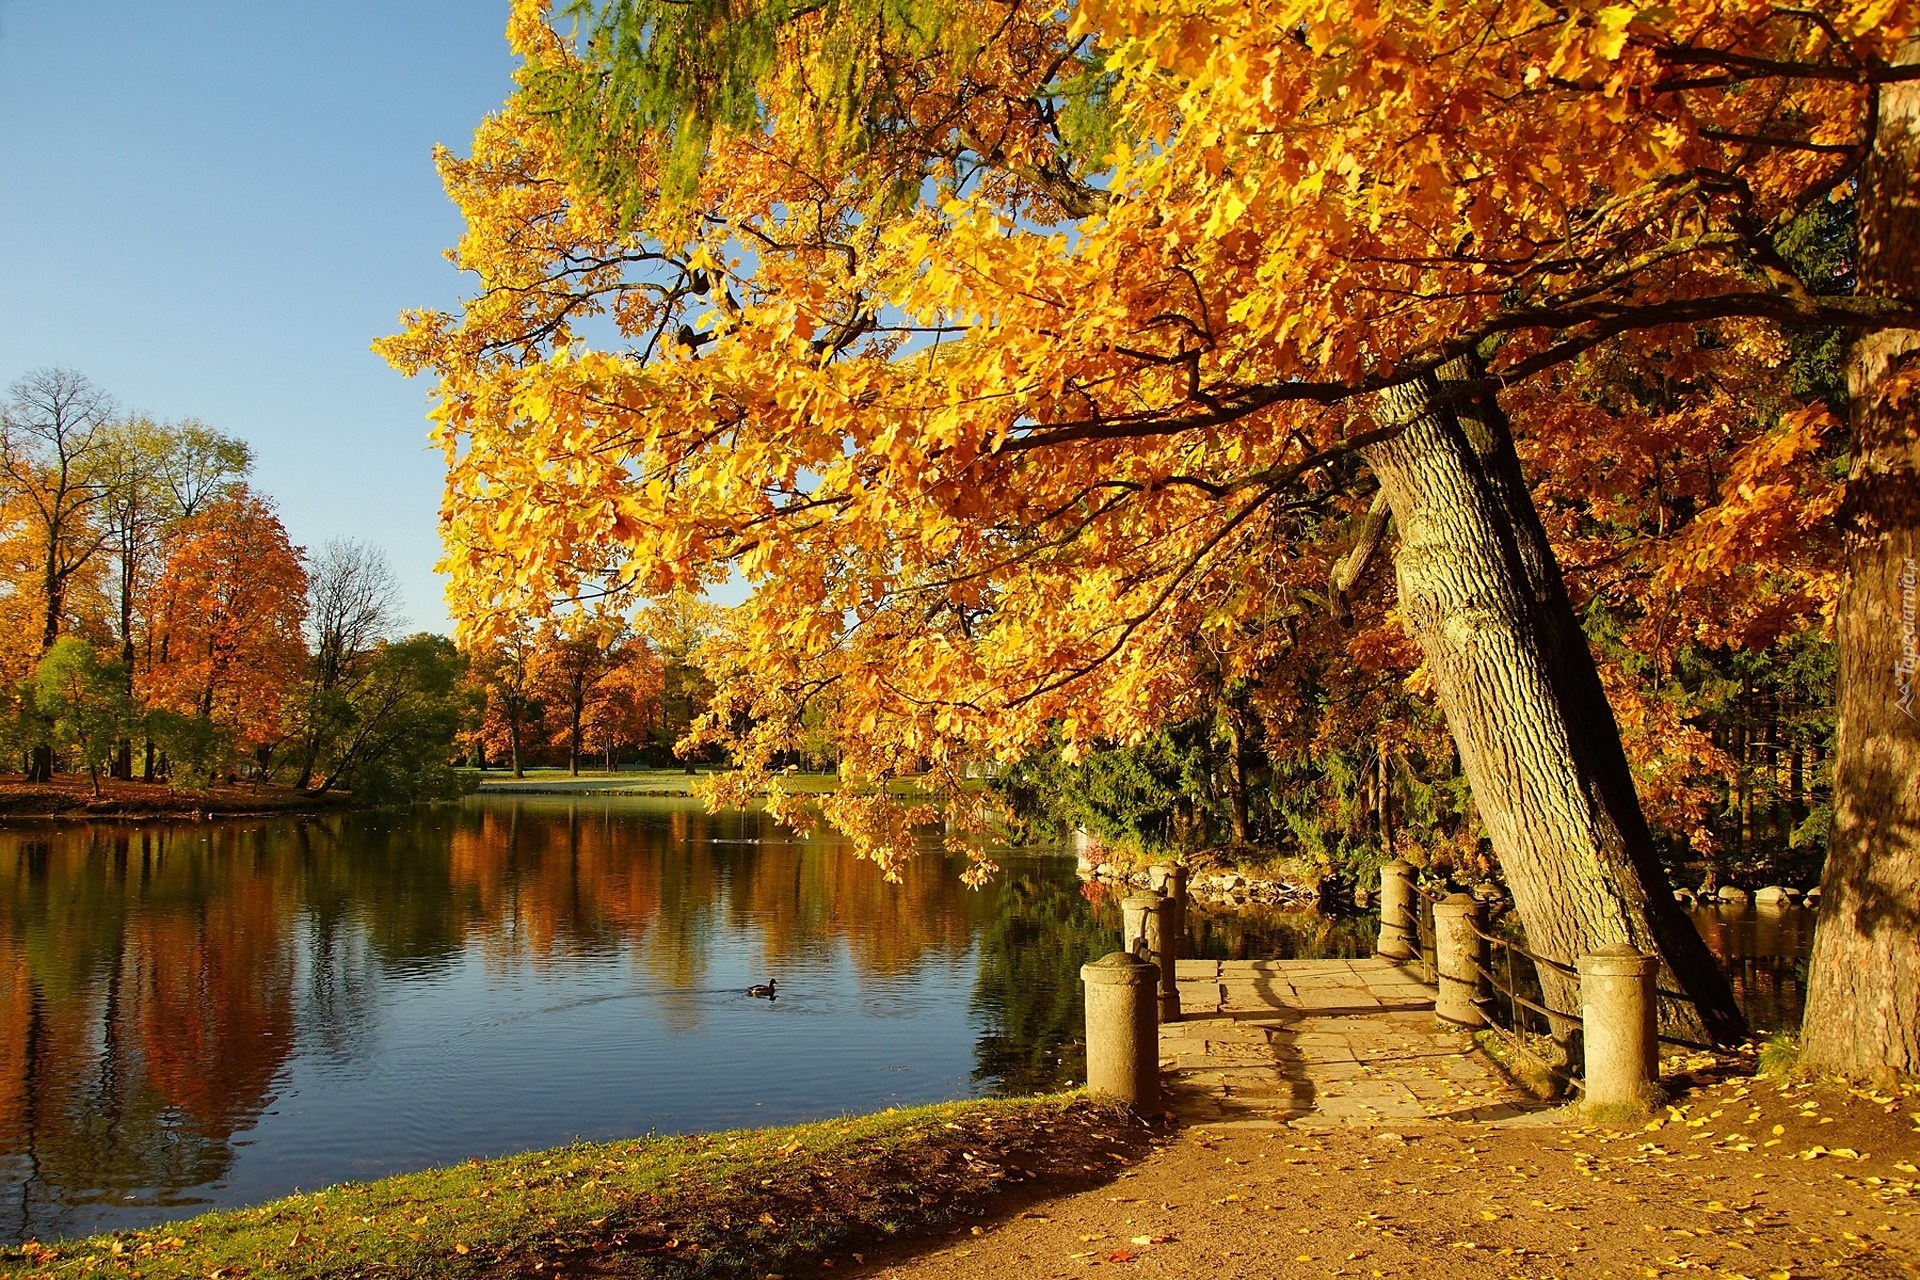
{"points": [[1345, 792], [157, 624]]}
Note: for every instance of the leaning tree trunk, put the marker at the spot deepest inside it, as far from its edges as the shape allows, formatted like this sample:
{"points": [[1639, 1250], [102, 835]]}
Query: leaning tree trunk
{"points": [[1863, 993], [1481, 593], [1236, 774]]}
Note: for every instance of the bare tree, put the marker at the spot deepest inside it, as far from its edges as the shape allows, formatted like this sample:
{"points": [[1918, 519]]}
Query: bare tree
{"points": [[353, 603]]}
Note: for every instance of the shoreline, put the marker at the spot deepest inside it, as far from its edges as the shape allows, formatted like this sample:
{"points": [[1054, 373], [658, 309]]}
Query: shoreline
{"points": [[732, 1203], [68, 799]]}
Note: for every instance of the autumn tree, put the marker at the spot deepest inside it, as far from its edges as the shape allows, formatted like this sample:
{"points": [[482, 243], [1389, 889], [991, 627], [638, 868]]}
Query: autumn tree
{"points": [[504, 665], [52, 429], [677, 629], [626, 701], [225, 614], [155, 476], [1003, 418], [573, 655], [84, 701]]}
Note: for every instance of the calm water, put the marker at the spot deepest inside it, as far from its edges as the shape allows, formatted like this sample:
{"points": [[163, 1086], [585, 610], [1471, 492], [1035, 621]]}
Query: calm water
{"points": [[216, 1014], [202, 1015], [1764, 950]]}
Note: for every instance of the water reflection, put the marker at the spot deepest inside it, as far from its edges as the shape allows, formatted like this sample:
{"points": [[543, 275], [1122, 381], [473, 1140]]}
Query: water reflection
{"points": [[1764, 951], [215, 1014]]}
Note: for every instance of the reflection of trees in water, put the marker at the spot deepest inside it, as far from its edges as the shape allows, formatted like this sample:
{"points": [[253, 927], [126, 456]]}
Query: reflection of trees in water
{"points": [[1266, 932], [149, 991], [558, 881], [1028, 999], [154, 979], [1764, 952]]}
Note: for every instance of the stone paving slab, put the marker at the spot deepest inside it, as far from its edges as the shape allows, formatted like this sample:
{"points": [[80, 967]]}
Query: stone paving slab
{"points": [[1313, 1043]]}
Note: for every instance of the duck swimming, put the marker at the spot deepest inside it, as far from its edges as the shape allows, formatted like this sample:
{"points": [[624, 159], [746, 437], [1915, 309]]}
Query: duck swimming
{"points": [[763, 990]]}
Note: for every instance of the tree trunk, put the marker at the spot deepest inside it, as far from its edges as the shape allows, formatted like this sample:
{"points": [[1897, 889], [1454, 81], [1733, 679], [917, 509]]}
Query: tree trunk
{"points": [[1863, 991], [1236, 775], [573, 738], [123, 752], [513, 735], [1482, 595], [54, 585]]}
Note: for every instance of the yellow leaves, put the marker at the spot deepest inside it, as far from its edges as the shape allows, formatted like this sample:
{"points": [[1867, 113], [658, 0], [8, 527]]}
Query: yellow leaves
{"points": [[1610, 30]]}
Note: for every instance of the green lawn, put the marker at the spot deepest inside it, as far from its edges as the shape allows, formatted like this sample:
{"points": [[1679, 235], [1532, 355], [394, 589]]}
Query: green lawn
{"points": [[647, 782], [727, 1204]]}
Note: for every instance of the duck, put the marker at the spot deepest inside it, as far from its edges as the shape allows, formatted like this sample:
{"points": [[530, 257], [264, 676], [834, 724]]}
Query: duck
{"points": [[763, 990]]}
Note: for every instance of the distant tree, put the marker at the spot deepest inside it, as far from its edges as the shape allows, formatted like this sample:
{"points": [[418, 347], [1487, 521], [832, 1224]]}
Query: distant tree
{"points": [[20, 614], [226, 613], [677, 627], [84, 702], [574, 654], [506, 673], [52, 426], [156, 475], [353, 604], [402, 715], [625, 702]]}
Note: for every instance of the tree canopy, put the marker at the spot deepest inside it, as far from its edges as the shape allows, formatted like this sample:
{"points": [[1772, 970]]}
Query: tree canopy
{"points": [[1020, 439]]}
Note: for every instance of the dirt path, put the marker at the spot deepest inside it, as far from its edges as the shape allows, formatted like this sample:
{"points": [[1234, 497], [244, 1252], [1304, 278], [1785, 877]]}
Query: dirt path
{"points": [[1742, 1177]]}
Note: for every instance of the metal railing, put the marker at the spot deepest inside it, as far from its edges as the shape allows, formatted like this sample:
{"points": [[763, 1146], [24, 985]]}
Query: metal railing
{"points": [[1509, 1002], [1515, 1004]]}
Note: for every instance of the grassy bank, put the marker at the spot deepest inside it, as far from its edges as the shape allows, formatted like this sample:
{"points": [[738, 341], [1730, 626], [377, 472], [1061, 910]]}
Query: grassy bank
{"points": [[650, 782], [70, 795], [714, 1205]]}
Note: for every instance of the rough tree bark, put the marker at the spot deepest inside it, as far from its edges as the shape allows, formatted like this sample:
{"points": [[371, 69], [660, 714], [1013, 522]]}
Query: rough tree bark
{"points": [[1481, 593], [1863, 994], [1236, 773]]}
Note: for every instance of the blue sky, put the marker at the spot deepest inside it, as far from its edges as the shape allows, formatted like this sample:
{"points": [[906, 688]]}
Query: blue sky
{"points": [[211, 207]]}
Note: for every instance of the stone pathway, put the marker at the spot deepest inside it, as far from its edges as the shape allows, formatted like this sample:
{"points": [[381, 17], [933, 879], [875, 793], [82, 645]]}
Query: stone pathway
{"points": [[1315, 1043]]}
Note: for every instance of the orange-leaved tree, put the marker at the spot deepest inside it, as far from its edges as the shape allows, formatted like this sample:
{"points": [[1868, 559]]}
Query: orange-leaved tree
{"points": [[998, 422], [573, 655], [224, 616]]}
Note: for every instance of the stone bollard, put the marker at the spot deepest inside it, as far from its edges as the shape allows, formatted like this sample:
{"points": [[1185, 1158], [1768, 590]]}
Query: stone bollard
{"points": [[1399, 933], [1135, 910], [1123, 1036], [1176, 892], [1462, 955], [1617, 1012], [1163, 946]]}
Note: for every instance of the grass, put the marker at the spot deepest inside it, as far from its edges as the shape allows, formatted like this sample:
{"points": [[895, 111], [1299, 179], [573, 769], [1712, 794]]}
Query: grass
{"points": [[743, 1203], [653, 782], [1780, 1055], [1527, 1060]]}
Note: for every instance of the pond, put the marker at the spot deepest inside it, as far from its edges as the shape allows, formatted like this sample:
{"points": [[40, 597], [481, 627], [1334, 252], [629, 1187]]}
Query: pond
{"points": [[1764, 951], [215, 1014], [202, 1015]]}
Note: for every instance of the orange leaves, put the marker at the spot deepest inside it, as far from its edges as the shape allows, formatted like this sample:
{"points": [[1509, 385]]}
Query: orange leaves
{"points": [[1003, 438], [225, 620], [1771, 530]]}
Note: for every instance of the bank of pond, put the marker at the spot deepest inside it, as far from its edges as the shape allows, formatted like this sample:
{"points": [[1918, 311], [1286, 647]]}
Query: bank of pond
{"points": [[211, 1015]]}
